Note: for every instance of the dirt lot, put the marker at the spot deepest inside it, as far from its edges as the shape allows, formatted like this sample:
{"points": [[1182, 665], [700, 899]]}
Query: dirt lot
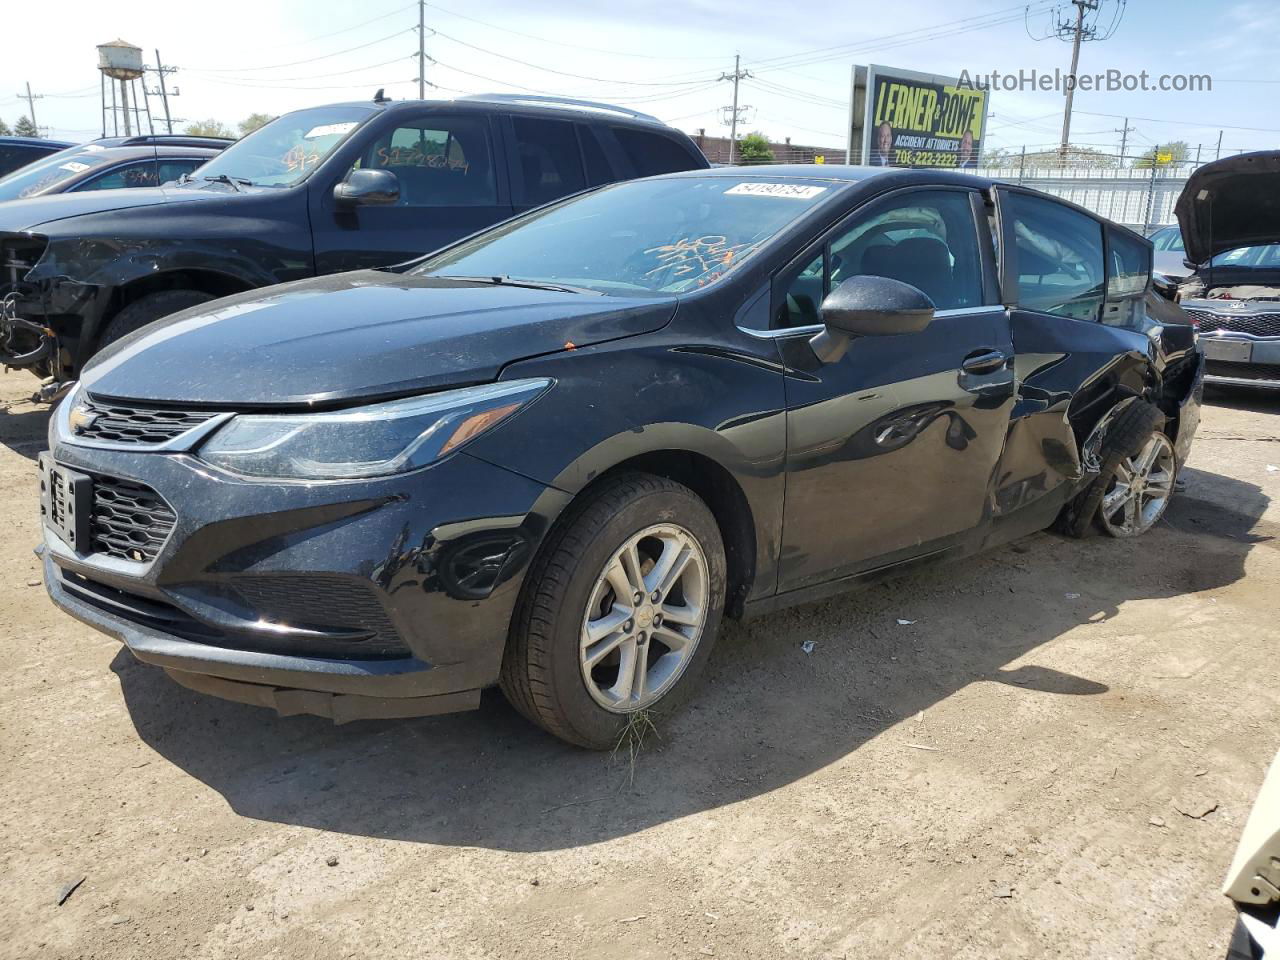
{"points": [[1022, 771]]}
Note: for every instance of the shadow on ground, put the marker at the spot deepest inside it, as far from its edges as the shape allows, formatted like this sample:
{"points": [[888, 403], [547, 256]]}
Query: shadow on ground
{"points": [[767, 714], [24, 426]]}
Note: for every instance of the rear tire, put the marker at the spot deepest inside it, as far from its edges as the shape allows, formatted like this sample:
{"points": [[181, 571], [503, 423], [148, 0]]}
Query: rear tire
{"points": [[1134, 428], [144, 310], [585, 658]]}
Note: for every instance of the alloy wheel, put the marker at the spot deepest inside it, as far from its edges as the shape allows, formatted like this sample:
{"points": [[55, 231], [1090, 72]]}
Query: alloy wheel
{"points": [[1139, 490], [644, 618]]}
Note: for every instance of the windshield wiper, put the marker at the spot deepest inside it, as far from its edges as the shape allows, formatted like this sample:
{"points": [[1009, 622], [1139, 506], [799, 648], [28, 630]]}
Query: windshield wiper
{"points": [[505, 281], [232, 182]]}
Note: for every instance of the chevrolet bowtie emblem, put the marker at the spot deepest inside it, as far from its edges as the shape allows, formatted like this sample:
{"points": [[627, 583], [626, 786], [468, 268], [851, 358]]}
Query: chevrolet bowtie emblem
{"points": [[81, 418]]}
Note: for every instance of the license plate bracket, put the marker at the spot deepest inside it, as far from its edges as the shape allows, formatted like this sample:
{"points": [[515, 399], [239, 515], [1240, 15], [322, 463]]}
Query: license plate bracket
{"points": [[66, 502], [1236, 351]]}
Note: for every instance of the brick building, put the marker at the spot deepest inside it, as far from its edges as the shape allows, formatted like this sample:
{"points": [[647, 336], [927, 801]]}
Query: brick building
{"points": [[716, 149]]}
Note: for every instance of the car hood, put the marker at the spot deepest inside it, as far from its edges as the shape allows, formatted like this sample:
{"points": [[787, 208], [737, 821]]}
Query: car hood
{"points": [[20, 216], [356, 336], [1230, 203]]}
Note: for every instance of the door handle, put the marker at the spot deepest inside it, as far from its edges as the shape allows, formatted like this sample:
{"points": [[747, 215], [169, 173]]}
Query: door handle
{"points": [[984, 361]]}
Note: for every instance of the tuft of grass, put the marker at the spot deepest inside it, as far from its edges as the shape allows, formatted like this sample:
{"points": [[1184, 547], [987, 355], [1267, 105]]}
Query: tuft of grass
{"points": [[632, 739]]}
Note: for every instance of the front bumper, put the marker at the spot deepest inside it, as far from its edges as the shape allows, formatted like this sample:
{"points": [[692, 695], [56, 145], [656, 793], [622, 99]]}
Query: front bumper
{"points": [[436, 556], [1241, 359]]}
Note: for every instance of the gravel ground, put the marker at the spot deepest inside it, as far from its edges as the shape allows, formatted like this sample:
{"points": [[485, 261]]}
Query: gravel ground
{"points": [[1055, 757]]}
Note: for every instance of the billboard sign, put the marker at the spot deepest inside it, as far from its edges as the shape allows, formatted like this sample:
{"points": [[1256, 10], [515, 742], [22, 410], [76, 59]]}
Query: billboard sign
{"points": [[922, 120]]}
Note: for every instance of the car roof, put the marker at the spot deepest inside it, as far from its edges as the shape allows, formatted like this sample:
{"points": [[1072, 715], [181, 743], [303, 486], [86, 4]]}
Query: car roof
{"points": [[165, 140], [839, 173], [525, 105], [143, 152], [52, 145]]}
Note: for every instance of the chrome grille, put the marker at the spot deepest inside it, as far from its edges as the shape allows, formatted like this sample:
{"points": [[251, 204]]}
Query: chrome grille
{"points": [[130, 521], [95, 419], [1256, 324]]}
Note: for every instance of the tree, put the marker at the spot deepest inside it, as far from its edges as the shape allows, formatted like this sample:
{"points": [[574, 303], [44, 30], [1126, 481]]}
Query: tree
{"points": [[4, 129], [25, 128], [208, 128], [1164, 155], [253, 121], [754, 148], [1074, 157]]}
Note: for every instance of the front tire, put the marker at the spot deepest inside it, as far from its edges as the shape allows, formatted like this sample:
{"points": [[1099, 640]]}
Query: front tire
{"points": [[144, 310], [619, 613]]}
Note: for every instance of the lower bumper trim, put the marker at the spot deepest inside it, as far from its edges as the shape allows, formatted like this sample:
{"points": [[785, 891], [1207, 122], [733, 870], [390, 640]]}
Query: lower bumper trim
{"points": [[338, 707]]}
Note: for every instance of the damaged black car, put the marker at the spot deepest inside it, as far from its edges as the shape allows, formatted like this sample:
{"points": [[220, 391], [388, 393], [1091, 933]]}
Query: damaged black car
{"points": [[552, 456]]}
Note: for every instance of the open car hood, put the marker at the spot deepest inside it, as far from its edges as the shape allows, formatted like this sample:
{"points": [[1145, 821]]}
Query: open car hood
{"points": [[1230, 203]]}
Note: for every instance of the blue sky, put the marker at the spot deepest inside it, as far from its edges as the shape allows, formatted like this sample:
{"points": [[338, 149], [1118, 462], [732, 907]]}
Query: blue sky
{"points": [[237, 57]]}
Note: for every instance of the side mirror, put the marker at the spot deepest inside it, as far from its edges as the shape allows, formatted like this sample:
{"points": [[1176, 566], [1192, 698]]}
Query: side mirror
{"points": [[368, 188], [1190, 265], [867, 306]]}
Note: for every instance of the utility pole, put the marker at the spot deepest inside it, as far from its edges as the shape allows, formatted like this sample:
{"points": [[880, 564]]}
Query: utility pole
{"points": [[161, 70], [31, 99], [1081, 6], [737, 76], [1124, 137], [1218, 154], [422, 49]]}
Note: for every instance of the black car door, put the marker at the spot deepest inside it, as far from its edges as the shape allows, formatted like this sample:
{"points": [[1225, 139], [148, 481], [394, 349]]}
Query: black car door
{"points": [[451, 185], [1078, 335], [891, 450]]}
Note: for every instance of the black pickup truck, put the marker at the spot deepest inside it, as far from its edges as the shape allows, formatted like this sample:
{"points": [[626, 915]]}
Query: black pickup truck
{"points": [[319, 191]]}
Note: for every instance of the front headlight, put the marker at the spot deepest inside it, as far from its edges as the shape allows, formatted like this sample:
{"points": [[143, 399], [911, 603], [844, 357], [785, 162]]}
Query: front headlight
{"points": [[376, 440]]}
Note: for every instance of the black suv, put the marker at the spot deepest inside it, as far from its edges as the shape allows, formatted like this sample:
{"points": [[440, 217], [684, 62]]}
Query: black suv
{"points": [[318, 191]]}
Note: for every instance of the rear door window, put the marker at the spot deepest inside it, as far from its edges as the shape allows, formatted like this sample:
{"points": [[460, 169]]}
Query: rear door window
{"points": [[140, 174], [598, 169], [1130, 269], [654, 153], [176, 169], [439, 162], [1059, 257], [548, 160]]}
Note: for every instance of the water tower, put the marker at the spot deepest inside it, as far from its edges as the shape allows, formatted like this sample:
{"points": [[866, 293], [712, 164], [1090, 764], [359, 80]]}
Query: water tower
{"points": [[121, 65]]}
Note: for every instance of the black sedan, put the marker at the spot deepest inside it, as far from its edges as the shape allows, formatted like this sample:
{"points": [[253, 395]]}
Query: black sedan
{"points": [[111, 164], [552, 455]]}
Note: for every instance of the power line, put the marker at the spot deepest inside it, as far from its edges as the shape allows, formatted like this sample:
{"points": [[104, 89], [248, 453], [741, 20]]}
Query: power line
{"points": [[295, 63], [560, 43], [562, 73], [267, 81]]}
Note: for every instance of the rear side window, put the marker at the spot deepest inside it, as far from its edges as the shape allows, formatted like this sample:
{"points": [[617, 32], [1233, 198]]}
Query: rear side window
{"points": [[171, 170], [598, 169], [1059, 254], [653, 153], [549, 161], [439, 161], [1126, 280], [141, 174]]}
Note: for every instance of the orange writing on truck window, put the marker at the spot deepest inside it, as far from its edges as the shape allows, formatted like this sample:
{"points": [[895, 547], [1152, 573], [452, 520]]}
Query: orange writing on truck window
{"points": [[705, 257], [299, 158], [416, 157]]}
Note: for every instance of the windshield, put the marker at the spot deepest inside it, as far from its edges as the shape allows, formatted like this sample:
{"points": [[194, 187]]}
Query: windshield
{"points": [[287, 149], [646, 237], [55, 169], [1264, 257]]}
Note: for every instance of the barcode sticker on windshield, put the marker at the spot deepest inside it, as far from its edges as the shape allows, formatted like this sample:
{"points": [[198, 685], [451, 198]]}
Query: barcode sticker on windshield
{"points": [[328, 130], [795, 191], [74, 166]]}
